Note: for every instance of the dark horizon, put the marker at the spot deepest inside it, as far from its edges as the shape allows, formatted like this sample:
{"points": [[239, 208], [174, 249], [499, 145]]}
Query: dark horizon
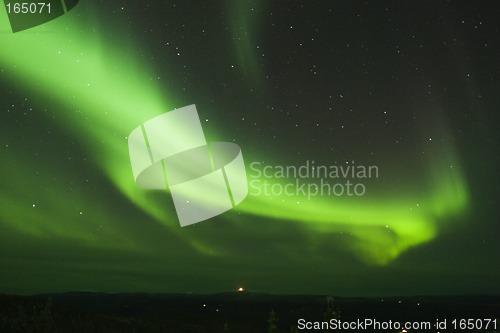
{"points": [[235, 312]]}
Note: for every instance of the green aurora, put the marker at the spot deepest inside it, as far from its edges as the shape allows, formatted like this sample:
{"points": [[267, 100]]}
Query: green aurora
{"points": [[104, 92]]}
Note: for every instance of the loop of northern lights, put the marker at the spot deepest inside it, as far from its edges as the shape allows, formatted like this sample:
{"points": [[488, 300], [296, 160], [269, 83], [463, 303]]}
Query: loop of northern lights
{"points": [[85, 71]]}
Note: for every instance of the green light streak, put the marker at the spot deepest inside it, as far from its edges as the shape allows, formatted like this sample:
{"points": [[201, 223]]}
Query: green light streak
{"points": [[383, 228]]}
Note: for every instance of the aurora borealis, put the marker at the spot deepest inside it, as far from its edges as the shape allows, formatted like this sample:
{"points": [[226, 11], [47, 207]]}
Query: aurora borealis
{"points": [[410, 89]]}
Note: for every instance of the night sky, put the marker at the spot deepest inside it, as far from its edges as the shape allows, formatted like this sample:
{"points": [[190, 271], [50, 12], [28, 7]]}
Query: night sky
{"points": [[410, 87]]}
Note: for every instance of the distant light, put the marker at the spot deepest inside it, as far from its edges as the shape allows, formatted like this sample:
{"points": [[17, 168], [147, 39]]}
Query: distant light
{"points": [[240, 290]]}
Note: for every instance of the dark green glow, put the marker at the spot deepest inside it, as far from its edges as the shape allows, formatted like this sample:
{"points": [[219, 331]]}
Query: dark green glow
{"points": [[245, 25]]}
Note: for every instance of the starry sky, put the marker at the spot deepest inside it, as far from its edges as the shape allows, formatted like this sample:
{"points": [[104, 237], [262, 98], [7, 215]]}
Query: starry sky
{"points": [[411, 88]]}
